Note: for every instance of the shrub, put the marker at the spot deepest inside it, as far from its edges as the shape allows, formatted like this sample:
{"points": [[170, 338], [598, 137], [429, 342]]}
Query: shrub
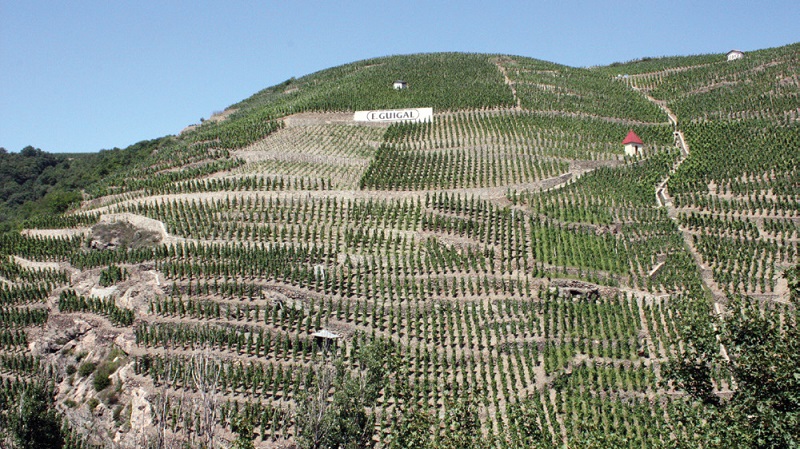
{"points": [[101, 380], [86, 369]]}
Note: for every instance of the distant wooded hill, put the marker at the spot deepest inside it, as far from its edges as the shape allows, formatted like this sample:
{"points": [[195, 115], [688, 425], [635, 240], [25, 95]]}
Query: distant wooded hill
{"points": [[34, 182]]}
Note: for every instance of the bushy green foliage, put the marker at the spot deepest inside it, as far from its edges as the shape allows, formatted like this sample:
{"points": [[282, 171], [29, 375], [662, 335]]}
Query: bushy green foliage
{"points": [[244, 437], [792, 276], [101, 379], [86, 369], [28, 417], [346, 422], [761, 344], [36, 183], [412, 429], [20, 171]]}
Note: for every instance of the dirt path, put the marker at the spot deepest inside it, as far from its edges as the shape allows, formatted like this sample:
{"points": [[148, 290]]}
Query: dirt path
{"points": [[489, 193], [665, 200], [499, 63], [34, 265], [632, 79]]}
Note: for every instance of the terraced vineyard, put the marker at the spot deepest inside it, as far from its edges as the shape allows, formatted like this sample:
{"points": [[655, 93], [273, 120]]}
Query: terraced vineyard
{"points": [[503, 276]]}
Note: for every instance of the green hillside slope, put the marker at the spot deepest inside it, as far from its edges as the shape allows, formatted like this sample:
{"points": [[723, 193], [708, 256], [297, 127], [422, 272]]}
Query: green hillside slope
{"points": [[762, 85], [445, 81], [505, 276]]}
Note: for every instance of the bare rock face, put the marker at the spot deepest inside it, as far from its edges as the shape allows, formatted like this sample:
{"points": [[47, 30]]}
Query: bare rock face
{"points": [[138, 427], [141, 411], [61, 332], [102, 414], [119, 414], [126, 231], [103, 292], [126, 342], [135, 292], [141, 286]]}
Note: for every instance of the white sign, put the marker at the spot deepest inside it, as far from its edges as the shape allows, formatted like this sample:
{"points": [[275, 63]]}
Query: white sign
{"points": [[395, 115]]}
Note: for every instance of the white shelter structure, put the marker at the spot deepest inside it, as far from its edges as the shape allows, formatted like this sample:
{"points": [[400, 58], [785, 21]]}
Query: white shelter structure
{"points": [[400, 85], [734, 55], [633, 144], [325, 339]]}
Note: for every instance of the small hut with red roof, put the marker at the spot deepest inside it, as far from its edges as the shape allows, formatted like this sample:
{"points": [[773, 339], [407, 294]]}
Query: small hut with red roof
{"points": [[633, 144]]}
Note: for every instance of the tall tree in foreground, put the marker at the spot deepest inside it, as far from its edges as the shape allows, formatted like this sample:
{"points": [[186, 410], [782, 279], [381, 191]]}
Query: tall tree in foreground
{"points": [[762, 343], [345, 421], [31, 421]]}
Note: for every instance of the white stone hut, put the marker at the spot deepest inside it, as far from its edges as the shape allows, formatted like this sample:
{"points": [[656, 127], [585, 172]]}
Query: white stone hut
{"points": [[734, 55], [633, 144], [400, 85]]}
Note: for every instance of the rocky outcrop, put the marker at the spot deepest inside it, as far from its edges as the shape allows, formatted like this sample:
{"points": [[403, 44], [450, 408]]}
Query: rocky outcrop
{"points": [[571, 288], [61, 333], [126, 231]]}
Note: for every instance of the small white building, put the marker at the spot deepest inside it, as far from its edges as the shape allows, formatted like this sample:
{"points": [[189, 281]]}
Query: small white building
{"points": [[633, 144], [734, 55], [325, 339], [400, 85]]}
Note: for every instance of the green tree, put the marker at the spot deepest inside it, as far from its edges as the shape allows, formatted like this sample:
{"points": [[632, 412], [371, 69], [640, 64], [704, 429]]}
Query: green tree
{"points": [[462, 428], [792, 276], [762, 345], [32, 421], [691, 371], [352, 426], [345, 421], [244, 434], [525, 427], [413, 429], [101, 379]]}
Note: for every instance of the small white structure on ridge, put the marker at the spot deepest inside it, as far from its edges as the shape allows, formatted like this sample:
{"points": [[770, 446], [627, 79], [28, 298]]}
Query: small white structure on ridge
{"points": [[400, 85], [734, 55]]}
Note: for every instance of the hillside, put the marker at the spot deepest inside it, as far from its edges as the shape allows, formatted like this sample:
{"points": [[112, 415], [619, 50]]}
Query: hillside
{"points": [[504, 276], [40, 184]]}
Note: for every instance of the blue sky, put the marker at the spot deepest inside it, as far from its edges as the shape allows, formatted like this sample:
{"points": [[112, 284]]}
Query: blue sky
{"points": [[81, 76]]}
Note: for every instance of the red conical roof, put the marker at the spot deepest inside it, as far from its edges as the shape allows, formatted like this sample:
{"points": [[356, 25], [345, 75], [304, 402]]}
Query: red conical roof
{"points": [[632, 138]]}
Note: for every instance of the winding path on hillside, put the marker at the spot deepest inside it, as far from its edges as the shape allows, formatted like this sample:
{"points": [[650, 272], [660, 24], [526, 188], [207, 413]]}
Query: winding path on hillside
{"points": [[499, 63], [664, 199]]}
